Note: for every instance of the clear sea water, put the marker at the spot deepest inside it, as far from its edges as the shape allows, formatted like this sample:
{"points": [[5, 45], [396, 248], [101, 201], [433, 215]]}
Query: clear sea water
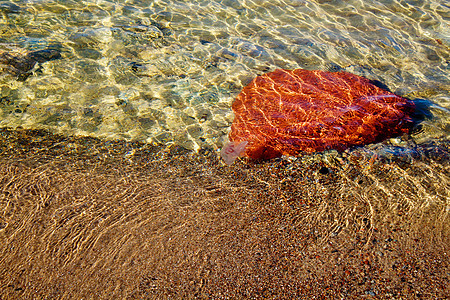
{"points": [[84, 218], [167, 71]]}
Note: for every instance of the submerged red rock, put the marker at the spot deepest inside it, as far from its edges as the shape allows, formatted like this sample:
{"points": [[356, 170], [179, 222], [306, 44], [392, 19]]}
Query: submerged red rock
{"points": [[289, 112]]}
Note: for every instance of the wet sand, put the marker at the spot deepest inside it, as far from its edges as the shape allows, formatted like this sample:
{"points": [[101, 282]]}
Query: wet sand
{"points": [[85, 218]]}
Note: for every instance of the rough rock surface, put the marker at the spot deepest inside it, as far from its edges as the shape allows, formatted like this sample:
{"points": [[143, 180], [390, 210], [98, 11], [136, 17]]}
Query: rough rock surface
{"points": [[288, 112]]}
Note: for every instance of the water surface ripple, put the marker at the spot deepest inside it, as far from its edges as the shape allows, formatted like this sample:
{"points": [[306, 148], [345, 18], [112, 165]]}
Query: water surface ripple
{"points": [[167, 71]]}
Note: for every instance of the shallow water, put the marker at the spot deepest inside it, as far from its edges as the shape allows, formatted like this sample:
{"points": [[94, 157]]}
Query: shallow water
{"points": [[81, 218], [167, 71], [84, 217]]}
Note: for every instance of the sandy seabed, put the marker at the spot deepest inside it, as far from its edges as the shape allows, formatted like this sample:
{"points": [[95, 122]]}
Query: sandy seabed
{"points": [[82, 218]]}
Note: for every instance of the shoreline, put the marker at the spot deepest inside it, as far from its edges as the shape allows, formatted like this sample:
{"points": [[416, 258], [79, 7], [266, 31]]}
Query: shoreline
{"points": [[84, 217]]}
